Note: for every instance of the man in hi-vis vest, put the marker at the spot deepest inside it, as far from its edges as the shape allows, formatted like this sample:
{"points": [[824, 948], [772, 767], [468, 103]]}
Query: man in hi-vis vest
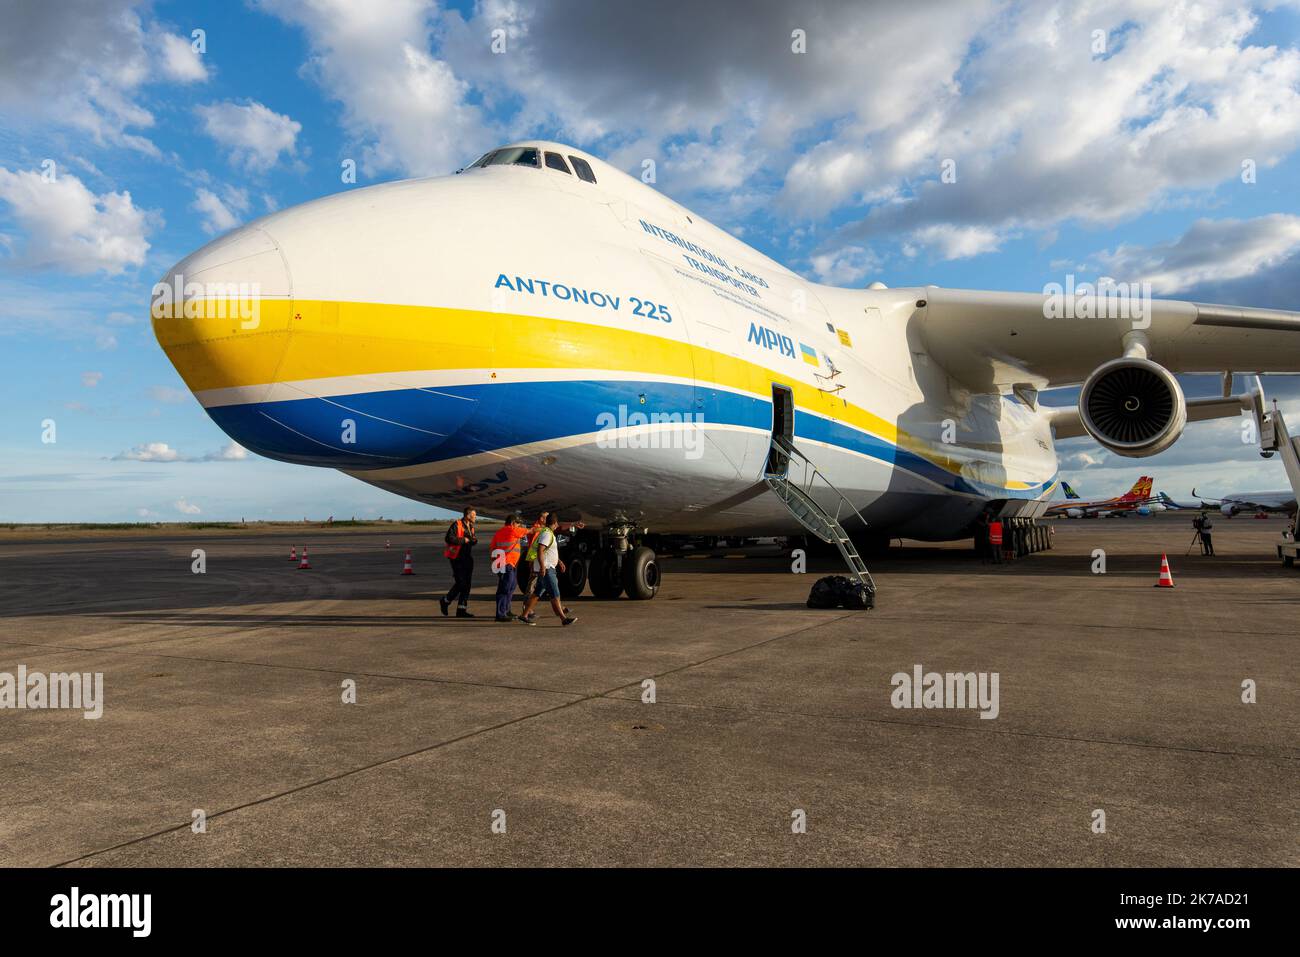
{"points": [[460, 540]]}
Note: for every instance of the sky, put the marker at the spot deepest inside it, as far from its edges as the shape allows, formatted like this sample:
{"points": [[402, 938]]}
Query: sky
{"points": [[1144, 141]]}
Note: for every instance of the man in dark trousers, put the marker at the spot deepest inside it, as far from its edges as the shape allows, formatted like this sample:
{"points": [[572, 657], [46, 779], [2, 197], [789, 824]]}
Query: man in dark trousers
{"points": [[460, 540]]}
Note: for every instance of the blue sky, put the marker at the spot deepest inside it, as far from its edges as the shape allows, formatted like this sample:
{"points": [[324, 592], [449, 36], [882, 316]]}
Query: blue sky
{"points": [[1124, 162]]}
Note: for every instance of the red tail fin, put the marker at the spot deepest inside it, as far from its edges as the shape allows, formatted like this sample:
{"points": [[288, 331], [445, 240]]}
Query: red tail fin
{"points": [[1141, 490]]}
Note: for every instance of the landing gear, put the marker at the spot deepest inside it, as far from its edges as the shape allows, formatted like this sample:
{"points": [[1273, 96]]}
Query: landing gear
{"points": [[618, 566], [574, 577], [640, 574], [606, 582]]}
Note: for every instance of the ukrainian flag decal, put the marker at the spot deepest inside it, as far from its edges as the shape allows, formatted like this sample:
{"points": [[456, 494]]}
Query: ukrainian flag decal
{"points": [[809, 354]]}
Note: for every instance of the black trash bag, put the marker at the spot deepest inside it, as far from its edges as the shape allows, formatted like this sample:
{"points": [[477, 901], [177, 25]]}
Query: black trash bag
{"points": [[839, 591], [824, 593]]}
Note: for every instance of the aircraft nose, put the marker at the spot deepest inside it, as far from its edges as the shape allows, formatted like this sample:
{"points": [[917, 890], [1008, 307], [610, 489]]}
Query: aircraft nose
{"points": [[316, 382], [222, 314]]}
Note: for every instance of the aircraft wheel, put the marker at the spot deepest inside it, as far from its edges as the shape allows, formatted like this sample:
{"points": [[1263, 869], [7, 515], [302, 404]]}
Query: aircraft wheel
{"points": [[641, 574], [574, 578], [605, 581]]}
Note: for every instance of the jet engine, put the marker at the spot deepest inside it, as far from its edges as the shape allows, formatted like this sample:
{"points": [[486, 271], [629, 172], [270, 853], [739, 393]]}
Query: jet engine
{"points": [[1133, 406]]}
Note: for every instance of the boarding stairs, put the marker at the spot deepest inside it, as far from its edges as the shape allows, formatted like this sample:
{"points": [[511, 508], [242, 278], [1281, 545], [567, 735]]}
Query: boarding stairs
{"points": [[1274, 437], [797, 496]]}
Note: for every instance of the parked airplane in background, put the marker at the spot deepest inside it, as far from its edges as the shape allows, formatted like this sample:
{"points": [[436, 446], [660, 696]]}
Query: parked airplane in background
{"points": [[1231, 505], [1172, 505], [1074, 507], [544, 331]]}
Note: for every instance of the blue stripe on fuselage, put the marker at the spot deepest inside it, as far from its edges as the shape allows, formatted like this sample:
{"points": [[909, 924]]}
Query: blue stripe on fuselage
{"points": [[414, 426]]}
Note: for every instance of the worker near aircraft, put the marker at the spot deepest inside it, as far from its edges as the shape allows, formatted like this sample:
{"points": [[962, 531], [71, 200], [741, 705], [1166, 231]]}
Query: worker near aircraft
{"points": [[545, 555], [460, 539], [505, 550], [995, 540]]}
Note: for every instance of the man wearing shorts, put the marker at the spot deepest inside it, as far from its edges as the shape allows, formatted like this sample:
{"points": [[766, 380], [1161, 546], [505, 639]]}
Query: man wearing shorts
{"points": [[548, 583]]}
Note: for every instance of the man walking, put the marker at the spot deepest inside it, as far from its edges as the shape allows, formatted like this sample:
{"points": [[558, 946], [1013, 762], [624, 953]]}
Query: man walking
{"points": [[504, 551], [546, 549], [460, 539]]}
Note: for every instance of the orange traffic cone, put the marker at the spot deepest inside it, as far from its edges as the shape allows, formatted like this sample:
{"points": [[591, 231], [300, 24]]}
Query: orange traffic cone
{"points": [[293, 553], [304, 564], [406, 565], [1166, 579]]}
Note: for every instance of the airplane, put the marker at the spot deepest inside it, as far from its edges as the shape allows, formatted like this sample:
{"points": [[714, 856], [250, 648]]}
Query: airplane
{"points": [[543, 331], [1174, 506], [1073, 507], [1231, 505]]}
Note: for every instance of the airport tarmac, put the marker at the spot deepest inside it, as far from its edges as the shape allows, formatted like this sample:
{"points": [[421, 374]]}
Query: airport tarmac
{"points": [[222, 692]]}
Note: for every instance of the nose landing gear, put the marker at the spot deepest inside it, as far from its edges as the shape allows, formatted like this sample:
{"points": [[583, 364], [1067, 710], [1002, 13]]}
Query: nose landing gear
{"points": [[613, 564]]}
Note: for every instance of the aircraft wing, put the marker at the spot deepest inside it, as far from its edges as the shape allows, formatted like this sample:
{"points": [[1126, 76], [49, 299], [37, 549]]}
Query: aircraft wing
{"points": [[992, 341]]}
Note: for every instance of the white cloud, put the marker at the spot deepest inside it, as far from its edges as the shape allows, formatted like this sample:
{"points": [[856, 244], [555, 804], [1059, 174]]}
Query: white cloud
{"points": [[220, 215], [1211, 251], [847, 266], [180, 61], [232, 452], [68, 227], [957, 242], [83, 64], [162, 452], [186, 508], [406, 109], [252, 134], [146, 513], [1041, 131], [149, 452], [91, 379]]}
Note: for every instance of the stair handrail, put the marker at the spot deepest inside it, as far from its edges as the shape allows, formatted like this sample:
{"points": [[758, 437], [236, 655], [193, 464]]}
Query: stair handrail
{"points": [[812, 473]]}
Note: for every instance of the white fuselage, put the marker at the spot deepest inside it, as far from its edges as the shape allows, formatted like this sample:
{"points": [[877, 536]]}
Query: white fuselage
{"points": [[516, 339]]}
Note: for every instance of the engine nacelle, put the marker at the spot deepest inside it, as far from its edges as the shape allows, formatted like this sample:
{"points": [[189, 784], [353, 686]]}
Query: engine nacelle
{"points": [[1133, 406]]}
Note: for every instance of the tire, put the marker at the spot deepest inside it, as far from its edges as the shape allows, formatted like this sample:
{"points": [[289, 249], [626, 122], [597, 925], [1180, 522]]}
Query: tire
{"points": [[605, 581], [573, 581], [641, 574]]}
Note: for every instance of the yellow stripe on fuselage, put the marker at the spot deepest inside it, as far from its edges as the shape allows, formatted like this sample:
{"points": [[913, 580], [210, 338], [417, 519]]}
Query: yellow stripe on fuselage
{"points": [[302, 340]]}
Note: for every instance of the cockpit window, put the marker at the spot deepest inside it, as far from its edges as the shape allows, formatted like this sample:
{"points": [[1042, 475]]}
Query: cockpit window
{"points": [[556, 161], [482, 160], [516, 156], [583, 169]]}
